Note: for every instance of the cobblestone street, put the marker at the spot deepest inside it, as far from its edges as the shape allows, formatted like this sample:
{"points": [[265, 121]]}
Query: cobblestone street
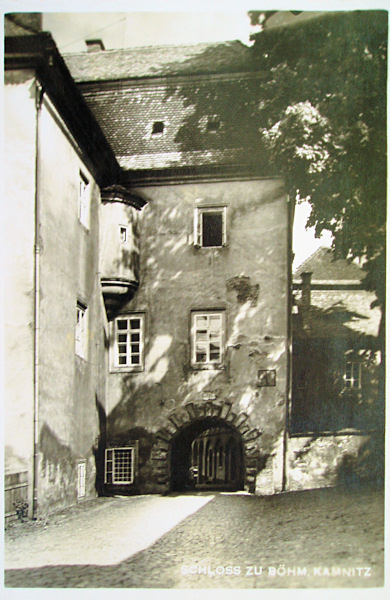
{"points": [[321, 538]]}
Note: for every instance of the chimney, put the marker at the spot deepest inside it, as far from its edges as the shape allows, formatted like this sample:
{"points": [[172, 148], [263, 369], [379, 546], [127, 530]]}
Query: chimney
{"points": [[94, 45], [306, 289]]}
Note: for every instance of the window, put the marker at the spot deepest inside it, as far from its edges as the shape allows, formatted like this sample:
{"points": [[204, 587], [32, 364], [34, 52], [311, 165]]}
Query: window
{"points": [[207, 338], [352, 376], [119, 466], [158, 127], [81, 479], [81, 330], [123, 234], [129, 342], [213, 124], [210, 227], [83, 200]]}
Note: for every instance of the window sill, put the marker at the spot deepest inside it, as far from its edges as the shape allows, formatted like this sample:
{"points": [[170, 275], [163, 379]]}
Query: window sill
{"points": [[127, 369], [208, 367]]}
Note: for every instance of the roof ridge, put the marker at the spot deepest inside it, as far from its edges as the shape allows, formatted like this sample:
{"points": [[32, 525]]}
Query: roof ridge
{"points": [[156, 47], [309, 258]]}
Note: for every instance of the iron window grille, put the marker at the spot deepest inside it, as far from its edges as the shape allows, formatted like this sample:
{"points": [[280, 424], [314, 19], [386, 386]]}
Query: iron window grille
{"points": [[81, 474], [119, 466]]}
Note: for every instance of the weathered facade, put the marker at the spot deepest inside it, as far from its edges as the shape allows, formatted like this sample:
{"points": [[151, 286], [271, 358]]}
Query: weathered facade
{"points": [[148, 340], [55, 356], [336, 420]]}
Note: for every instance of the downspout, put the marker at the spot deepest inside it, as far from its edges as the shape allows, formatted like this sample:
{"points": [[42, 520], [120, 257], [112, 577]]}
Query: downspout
{"points": [[37, 251], [290, 217]]}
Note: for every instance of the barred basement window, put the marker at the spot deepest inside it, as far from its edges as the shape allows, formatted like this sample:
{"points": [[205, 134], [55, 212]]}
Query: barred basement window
{"points": [[207, 338], [210, 227], [353, 375], [129, 342], [81, 470], [119, 466]]}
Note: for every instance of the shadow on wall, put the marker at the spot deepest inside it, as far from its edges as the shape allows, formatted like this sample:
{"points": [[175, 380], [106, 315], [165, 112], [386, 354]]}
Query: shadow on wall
{"points": [[364, 468], [99, 448]]}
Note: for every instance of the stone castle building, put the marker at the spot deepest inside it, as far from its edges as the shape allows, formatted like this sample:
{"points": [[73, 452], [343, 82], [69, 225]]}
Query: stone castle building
{"points": [[148, 275]]}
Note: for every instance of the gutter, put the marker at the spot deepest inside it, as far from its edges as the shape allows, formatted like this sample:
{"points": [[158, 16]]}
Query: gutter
{"points": [[37, 252]]}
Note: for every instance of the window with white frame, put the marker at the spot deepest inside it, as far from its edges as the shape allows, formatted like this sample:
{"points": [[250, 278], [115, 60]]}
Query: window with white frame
{"points": [[207, 338], [81, 470], [210, 226], [81, 330], [353, 375], [123, 234], [83, 200], [129, 341], [119, 466]]}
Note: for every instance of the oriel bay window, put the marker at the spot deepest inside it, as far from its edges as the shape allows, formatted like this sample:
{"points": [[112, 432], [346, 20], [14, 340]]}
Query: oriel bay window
{"points": [[129, 342], [207, 338]]}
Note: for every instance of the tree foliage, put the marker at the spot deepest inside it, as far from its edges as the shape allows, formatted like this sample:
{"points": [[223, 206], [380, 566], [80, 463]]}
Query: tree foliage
{"points": [[324, 126]]}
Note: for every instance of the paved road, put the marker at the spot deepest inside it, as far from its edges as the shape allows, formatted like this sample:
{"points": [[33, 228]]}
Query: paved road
{"points": [[323, 538]]}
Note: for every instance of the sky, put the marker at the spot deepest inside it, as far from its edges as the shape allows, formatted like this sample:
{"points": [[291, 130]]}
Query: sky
{"points": [[160, 22]]}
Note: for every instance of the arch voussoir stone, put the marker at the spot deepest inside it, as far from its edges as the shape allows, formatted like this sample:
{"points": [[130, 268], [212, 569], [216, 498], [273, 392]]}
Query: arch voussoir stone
{"points": [[191, 412]]}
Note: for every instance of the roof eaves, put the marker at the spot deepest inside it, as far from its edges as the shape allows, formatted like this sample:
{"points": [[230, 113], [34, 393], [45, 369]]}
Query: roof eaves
{"points": [[40, 53]]}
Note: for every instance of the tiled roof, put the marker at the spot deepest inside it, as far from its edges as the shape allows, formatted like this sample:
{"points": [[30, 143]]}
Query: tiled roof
{"points": [[152, 61], [326, 269], [127, 115]]}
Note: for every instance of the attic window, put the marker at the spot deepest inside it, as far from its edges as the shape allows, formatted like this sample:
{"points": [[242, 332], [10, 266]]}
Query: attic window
{"points": [[158, 127], [213, 124]]}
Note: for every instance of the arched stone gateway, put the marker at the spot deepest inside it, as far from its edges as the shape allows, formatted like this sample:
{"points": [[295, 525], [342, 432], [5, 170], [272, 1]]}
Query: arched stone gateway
{"points": [[185, 425]]}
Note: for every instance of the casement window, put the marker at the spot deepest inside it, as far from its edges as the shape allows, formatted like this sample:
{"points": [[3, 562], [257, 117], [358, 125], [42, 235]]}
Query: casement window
{"points": [[81, 330], [207, 338], [129, 341], [119, 466], [353, 375], [210, 226], [83, 200], [81, 471]]}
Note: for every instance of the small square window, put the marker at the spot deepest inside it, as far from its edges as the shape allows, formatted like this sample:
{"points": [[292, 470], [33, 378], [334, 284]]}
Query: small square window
{"points": [[119, 466], [213, 124], [158, 127], [207, 338], [83, 200], [81, 330], [129, 342], [353, 375], [210, 227]]}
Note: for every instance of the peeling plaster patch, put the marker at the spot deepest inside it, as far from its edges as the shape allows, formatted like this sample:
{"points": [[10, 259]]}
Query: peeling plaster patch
{"points": [[276, 354], [245, 290]]}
